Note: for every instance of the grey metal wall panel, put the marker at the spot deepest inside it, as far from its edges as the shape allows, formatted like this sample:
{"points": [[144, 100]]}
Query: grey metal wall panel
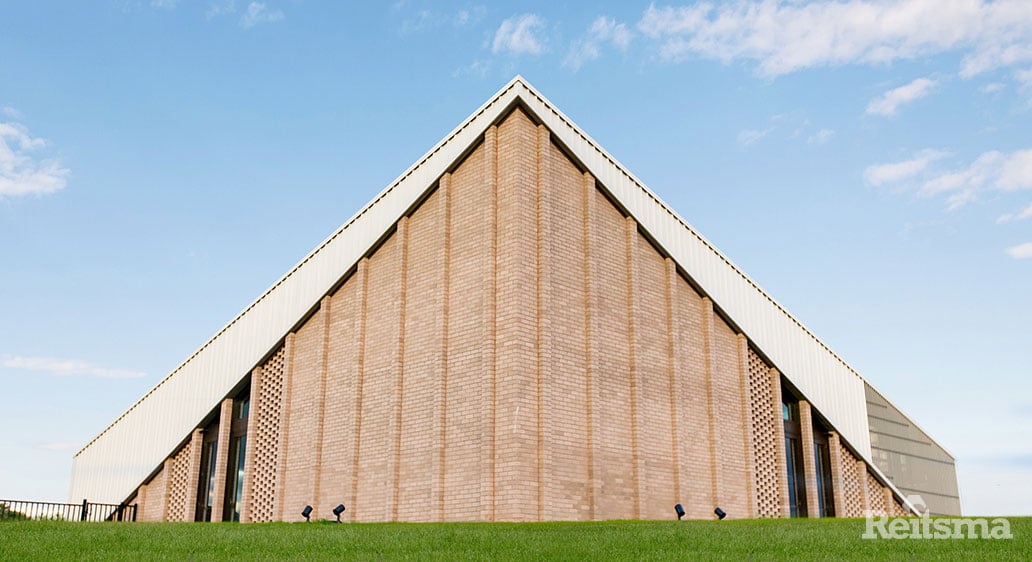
{"points": [[910, 458]]}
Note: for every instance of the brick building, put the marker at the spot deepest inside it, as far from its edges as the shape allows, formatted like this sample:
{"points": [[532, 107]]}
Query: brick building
{"points": [[515, 330]]}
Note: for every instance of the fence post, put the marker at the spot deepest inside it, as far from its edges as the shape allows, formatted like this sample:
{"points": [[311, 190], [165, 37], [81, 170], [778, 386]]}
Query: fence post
{"points": [[85, 507]]}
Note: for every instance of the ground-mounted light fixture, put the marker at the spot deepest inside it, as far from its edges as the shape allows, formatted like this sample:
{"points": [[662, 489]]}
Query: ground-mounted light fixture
{"points": [[720, 513], [338, 510], [306, 513], [680, 511]]}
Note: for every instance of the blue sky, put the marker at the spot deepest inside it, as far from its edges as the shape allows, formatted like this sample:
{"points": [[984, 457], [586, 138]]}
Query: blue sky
{"points": [[868, 163]]}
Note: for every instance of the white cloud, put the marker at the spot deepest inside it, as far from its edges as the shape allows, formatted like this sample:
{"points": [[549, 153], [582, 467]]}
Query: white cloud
{"points": [[887, 103], [518, 35], [20, 172], [221, 8], [257, 13], [898, 171], [1021, 215], [784, 36], [164, 4], [1021, 251], [750, 136], [993, 87], [67, 367], [821, 137], [603, 30], [476, 68], [428, 19], [992, 170]]}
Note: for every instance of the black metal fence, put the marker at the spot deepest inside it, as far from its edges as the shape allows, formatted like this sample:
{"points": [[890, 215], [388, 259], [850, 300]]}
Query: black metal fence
{"points": [[19, 510]]}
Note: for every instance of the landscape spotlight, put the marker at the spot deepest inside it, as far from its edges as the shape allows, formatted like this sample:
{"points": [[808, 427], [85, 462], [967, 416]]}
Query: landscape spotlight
{"points": [[338, 510], [679, 510], [720, 513], [306, 512]]}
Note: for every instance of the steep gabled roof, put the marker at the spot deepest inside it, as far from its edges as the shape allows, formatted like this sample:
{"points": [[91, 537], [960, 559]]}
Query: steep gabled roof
{"points": [[115, 462]]}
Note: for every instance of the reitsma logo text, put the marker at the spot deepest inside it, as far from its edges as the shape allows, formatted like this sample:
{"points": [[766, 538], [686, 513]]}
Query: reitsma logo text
{"points": [[881, 526]]}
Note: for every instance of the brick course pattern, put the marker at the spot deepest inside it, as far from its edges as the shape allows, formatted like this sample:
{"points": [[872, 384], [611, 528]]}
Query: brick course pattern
{"points": [[515, 350]]}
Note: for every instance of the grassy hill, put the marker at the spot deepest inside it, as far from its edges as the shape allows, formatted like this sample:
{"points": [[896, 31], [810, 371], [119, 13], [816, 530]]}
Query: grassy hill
{"points": [[828, 539]]}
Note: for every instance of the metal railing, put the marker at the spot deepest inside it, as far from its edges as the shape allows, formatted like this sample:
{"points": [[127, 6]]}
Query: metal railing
{"points": [[20, 510]]}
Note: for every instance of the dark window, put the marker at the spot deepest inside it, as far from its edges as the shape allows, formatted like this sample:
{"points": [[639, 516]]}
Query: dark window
{"points": [[825, 486], [206, 482], [237, 454]]}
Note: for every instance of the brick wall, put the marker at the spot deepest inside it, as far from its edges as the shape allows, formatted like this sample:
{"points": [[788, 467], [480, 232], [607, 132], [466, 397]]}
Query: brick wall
{"points": [[515, 350]]}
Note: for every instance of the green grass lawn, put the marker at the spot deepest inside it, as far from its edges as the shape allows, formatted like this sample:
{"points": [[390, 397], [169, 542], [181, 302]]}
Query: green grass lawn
{"points": [[829, 539]]}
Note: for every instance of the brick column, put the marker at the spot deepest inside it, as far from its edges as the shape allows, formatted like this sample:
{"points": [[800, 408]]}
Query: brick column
{"points": [[281, 470], [784, 509], [444, 189], [591, 352], [320, 406], [399, 350], [222, 458], [362, 279], [166, 497], [890, 502], [488, 472], [837, 480], [715, 445], [194, 474], [252, 443], [673, 372], [637, 462], [809, 459], [861, 476], [743, 387]]}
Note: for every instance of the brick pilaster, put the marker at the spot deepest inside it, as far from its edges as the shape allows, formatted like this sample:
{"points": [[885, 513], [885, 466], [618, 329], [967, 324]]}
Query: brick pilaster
{"points": [[221, 459], [861, 476], [743, 392], [631, 233], [281, 470], [779, 433], [247, 497], [362, 278], [809, 459], [715, 445], [837, 480], [399, 408], [194, 474]]}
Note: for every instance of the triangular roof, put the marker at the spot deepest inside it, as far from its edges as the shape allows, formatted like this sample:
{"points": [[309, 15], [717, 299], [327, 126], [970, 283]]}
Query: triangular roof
{"points": [[142, 437]]}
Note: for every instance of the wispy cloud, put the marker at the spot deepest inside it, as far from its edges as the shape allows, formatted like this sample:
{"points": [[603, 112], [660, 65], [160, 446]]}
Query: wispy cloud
{"points": [[21, 172], [603, 30], [1021, 251], [993, 87], [220, 8], [518, 35], [476, 68], [67, 367], [887, 103], [893, 172], [751, 136], [163, 4], [421, 20], [1021, 215], [992, 170], [258, 13], [784, 36], [821, 137]]}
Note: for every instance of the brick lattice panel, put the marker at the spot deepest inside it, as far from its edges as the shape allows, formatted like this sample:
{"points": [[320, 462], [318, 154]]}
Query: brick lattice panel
{"points": [[179, 481], [266, 414], [851, 492], [876, 495], [764, 437]]}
